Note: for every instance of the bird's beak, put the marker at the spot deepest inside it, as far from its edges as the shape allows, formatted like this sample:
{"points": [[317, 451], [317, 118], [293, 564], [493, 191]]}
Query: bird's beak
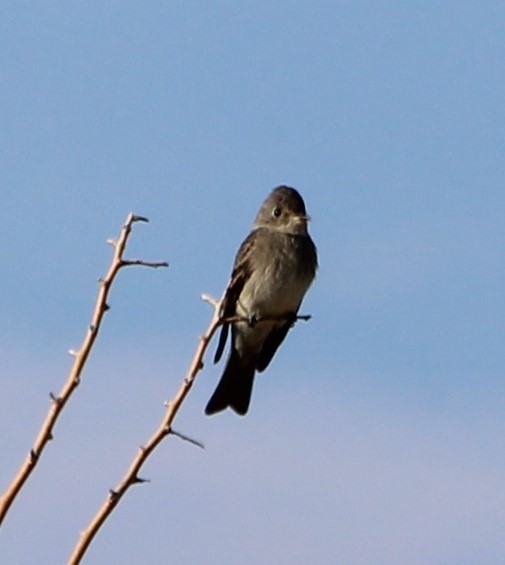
{"points": [[303, 218]]}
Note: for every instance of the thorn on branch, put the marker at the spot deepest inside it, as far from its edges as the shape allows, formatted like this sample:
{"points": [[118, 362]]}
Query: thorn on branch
{"points": [[106, 307], [210, 299], [135, 218], [55, 399], [113, 495], [33, 457], [139, 480], [112, 242], [73, 352], [186, 438]]}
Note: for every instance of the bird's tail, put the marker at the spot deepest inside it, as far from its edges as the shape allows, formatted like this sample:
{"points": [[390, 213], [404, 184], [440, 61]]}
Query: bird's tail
{"points": [[235, 387]]}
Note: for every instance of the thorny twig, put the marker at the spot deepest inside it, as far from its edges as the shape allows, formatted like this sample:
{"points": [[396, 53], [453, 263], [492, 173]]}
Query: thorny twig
{"points": [[59, 401]]}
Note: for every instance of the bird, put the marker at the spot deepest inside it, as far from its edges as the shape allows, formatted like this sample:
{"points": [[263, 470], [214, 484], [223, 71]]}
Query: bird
{"points": [[273, 269]]}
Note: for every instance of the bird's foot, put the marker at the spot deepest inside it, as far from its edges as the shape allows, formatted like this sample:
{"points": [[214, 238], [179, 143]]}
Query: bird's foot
{"points": [[291, 318], [253, 320]]}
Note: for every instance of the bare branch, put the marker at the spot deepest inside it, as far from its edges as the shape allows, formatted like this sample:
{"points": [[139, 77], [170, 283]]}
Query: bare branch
{"points": [[164, 428], [80, 356], [253, 320], [153, 264]]}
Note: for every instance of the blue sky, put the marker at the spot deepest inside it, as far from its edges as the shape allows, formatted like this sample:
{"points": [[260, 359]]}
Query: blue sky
{"points": [[377, 434]]}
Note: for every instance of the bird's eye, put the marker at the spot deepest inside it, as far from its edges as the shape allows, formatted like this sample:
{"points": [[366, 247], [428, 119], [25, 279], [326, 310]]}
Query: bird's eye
{"points": [[276, 212]]}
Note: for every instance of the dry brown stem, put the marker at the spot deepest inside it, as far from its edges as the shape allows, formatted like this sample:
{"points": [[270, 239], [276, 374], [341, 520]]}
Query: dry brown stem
{"points": [[131, 477], [164, 429], [80, 356]]}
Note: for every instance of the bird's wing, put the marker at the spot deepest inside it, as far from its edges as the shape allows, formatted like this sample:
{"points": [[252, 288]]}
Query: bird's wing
{"points": [[272, 342], [240, 275]]}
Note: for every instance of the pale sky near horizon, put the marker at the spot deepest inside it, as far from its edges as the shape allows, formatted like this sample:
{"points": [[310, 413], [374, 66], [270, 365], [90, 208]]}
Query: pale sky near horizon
{"points": [[376, 437]]}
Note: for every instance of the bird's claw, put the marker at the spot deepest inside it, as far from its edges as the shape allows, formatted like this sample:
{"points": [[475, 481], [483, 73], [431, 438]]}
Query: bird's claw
{"points": [[253, 320]]}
